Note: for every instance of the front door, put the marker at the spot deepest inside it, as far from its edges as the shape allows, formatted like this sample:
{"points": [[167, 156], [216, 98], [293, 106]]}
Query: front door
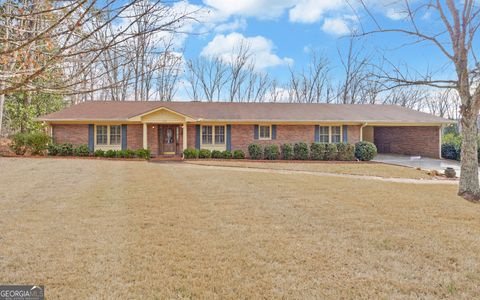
{"points": [[168, 139]]}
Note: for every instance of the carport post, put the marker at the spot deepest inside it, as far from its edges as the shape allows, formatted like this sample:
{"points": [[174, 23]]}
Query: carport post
{"points": [[145, 141]]}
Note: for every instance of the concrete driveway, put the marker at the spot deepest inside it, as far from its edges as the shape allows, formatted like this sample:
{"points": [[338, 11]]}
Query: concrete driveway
{"points": [[424, 163]]}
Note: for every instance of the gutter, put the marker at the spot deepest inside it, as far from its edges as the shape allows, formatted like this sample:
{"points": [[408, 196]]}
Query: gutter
{"points": [[361, 130]]}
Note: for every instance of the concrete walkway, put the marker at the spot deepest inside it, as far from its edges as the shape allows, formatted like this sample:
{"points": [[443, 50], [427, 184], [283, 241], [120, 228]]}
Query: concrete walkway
{"points": [[424, 163], [290, 172]]}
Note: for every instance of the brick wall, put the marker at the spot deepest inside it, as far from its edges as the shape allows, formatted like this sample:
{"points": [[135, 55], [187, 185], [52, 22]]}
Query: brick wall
{"points": [[76, 134], [190, 136], [353, 134], [134, 136], [408, 140]]}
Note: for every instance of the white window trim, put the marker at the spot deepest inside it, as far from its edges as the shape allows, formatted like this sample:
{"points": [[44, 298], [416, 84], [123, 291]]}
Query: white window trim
{"points": [[330, 132], [108, 136], [213, 135], [270, 132]]}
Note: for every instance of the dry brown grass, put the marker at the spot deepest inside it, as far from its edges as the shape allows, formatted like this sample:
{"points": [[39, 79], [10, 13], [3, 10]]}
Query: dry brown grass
{"points": [[354, 168], [115, 229]]}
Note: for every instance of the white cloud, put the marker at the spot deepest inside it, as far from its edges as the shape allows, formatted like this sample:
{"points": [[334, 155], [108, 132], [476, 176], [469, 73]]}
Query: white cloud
{"points": [[311, 11], [261, 49], [262, 9], [395, 14], [237, 24], [335, 26]]}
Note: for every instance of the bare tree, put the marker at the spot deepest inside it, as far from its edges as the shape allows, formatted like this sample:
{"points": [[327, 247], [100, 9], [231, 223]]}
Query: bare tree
{"points": [[64, 38], [207, 77], [311, 85], [355, 75], [456, 39]]}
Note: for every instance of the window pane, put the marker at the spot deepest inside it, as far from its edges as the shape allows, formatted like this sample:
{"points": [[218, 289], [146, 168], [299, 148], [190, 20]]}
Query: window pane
{"points": [[219, 134], [115, 135], [206, 134], [101, 135], [264, 132], [336, 136], [323, 134]]}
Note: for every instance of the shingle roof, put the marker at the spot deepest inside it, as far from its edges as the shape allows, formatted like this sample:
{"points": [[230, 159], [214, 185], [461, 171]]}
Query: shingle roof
{"points": [[227, 111]]}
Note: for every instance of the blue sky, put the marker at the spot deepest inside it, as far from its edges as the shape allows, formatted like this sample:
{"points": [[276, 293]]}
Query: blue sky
{"points": [[282, 32]]}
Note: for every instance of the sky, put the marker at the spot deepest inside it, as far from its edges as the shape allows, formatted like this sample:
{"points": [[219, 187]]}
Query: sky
{"points": [[283, 33]]}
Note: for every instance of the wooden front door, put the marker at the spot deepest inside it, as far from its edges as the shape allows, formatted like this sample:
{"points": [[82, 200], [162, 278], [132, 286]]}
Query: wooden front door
{"points": [[168, 139]]}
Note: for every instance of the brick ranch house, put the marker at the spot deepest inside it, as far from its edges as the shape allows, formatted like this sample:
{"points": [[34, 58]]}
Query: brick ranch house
{"points": [[167, 128]]}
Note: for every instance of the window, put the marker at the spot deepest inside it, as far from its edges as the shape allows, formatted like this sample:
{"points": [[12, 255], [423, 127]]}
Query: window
{"points": [[102, 136], [336, 134], [264, 132], [323, 134], [115, 135], [219, 134], [207, 134]]}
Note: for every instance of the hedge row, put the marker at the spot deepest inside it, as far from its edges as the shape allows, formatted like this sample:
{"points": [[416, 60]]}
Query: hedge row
{"points": [[68, 149], [364, 151], [317, 151], [205, 153]]}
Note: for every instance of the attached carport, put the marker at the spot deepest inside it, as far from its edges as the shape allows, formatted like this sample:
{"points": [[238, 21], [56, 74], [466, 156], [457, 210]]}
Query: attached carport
{"points": [[418, 140]]}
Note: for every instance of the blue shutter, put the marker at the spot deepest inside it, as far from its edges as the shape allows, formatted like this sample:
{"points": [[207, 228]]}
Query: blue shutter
{"points": [[91, 136], [124, 137], [345, 133], [255, 132], [274, 132], [317, 133], [229, 137], [197, 136]]}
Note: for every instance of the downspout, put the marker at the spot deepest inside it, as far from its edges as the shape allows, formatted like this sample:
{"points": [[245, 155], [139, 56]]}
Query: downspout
{"points": [[361, 130]]}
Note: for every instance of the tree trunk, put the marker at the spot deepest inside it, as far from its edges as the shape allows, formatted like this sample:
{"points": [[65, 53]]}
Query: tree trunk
{"points": [[468, 185], [2, 101]]}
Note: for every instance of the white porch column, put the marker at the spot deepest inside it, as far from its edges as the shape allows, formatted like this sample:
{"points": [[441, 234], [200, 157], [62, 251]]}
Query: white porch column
{"points": [[145, 140], [184, 136]]}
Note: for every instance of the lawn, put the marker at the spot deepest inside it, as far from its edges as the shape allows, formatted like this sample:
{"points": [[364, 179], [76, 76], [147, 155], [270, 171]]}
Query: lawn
{"points": [[116, 229], [353, 168]]}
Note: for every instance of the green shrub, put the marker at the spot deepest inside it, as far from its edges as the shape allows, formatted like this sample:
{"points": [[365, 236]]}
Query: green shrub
{"points": [[287, 151], [271, 152], [300, 151], [129, 153], [238, 154], [346, 151], [217, 154], [331, 151], [110, 153], [19, 143], [143, 153], [81, 150], [255, 151], [99, 153], [190, 153], [121, 153], [365, 151], [53, 149], [227, 154], [65, 149], [451, 151], [204, 153], [317, 151], [452, 138], [37, 142]]}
